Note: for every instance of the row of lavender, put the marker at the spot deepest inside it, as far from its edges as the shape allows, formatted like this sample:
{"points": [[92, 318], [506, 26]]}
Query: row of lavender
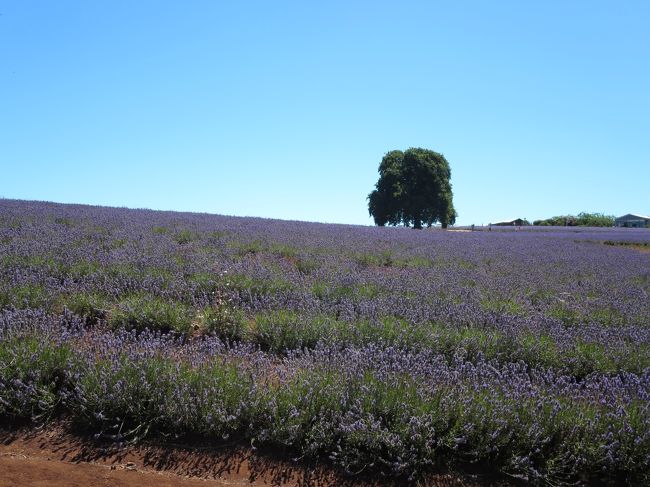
{"points": [[367, 409], [526, 351]]}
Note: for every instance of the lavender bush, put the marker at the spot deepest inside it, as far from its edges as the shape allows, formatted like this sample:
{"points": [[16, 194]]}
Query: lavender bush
{"points": [[378, 350]]}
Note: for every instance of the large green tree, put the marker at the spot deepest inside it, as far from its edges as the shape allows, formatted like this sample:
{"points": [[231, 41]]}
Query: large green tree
{"points": [[414, 188]]}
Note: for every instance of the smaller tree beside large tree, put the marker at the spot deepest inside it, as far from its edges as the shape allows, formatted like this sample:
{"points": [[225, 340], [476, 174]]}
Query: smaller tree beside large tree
{"points": [[414, 188]]}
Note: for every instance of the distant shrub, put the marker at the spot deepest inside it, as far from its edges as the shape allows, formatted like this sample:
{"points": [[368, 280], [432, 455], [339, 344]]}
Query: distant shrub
{"points": [[24, 296], [45, 262], [415, 261], [122, 271], [582, 220], [327, 292], [243, 249], [118, 243], [595, 220], [284, 250], [92, 307], [565, 314], [306, 265], [226, 322], [217, 234], [633, 245], [203, 284], [81, 269], [502, 306], [244, 283], [184, 237], [382, 259], [282, 330], [153, 313], [67, 222], [388, 259]]}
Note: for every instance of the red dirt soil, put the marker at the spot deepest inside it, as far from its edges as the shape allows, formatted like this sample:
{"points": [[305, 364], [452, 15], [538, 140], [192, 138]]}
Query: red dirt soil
{"points": [[54, 457]]}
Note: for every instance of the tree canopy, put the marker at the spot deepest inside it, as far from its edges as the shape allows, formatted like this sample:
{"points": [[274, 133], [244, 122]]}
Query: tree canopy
{"points": [[581, 220], [414, 188]]}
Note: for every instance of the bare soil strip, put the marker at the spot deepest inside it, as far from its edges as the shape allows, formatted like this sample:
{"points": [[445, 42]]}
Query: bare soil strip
{"points": [[54, 457]]}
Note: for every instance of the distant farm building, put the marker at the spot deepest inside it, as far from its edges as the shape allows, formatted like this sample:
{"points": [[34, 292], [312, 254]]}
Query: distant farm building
{"points": [[633, 221], [517, 222]]}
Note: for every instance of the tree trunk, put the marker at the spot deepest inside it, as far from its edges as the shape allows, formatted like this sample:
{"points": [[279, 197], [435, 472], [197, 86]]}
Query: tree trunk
{"points": [[417, 225]]}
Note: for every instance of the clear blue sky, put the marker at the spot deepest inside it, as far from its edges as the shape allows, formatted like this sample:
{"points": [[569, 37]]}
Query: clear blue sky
{"points": [[285, 109]]}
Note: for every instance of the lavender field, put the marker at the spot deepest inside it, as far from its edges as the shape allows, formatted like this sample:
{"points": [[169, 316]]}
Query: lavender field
{"points": [[380, 351]]}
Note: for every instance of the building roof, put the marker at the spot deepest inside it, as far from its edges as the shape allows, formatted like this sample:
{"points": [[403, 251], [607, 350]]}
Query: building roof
{"points": [[510, 221], [633, 216]]}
